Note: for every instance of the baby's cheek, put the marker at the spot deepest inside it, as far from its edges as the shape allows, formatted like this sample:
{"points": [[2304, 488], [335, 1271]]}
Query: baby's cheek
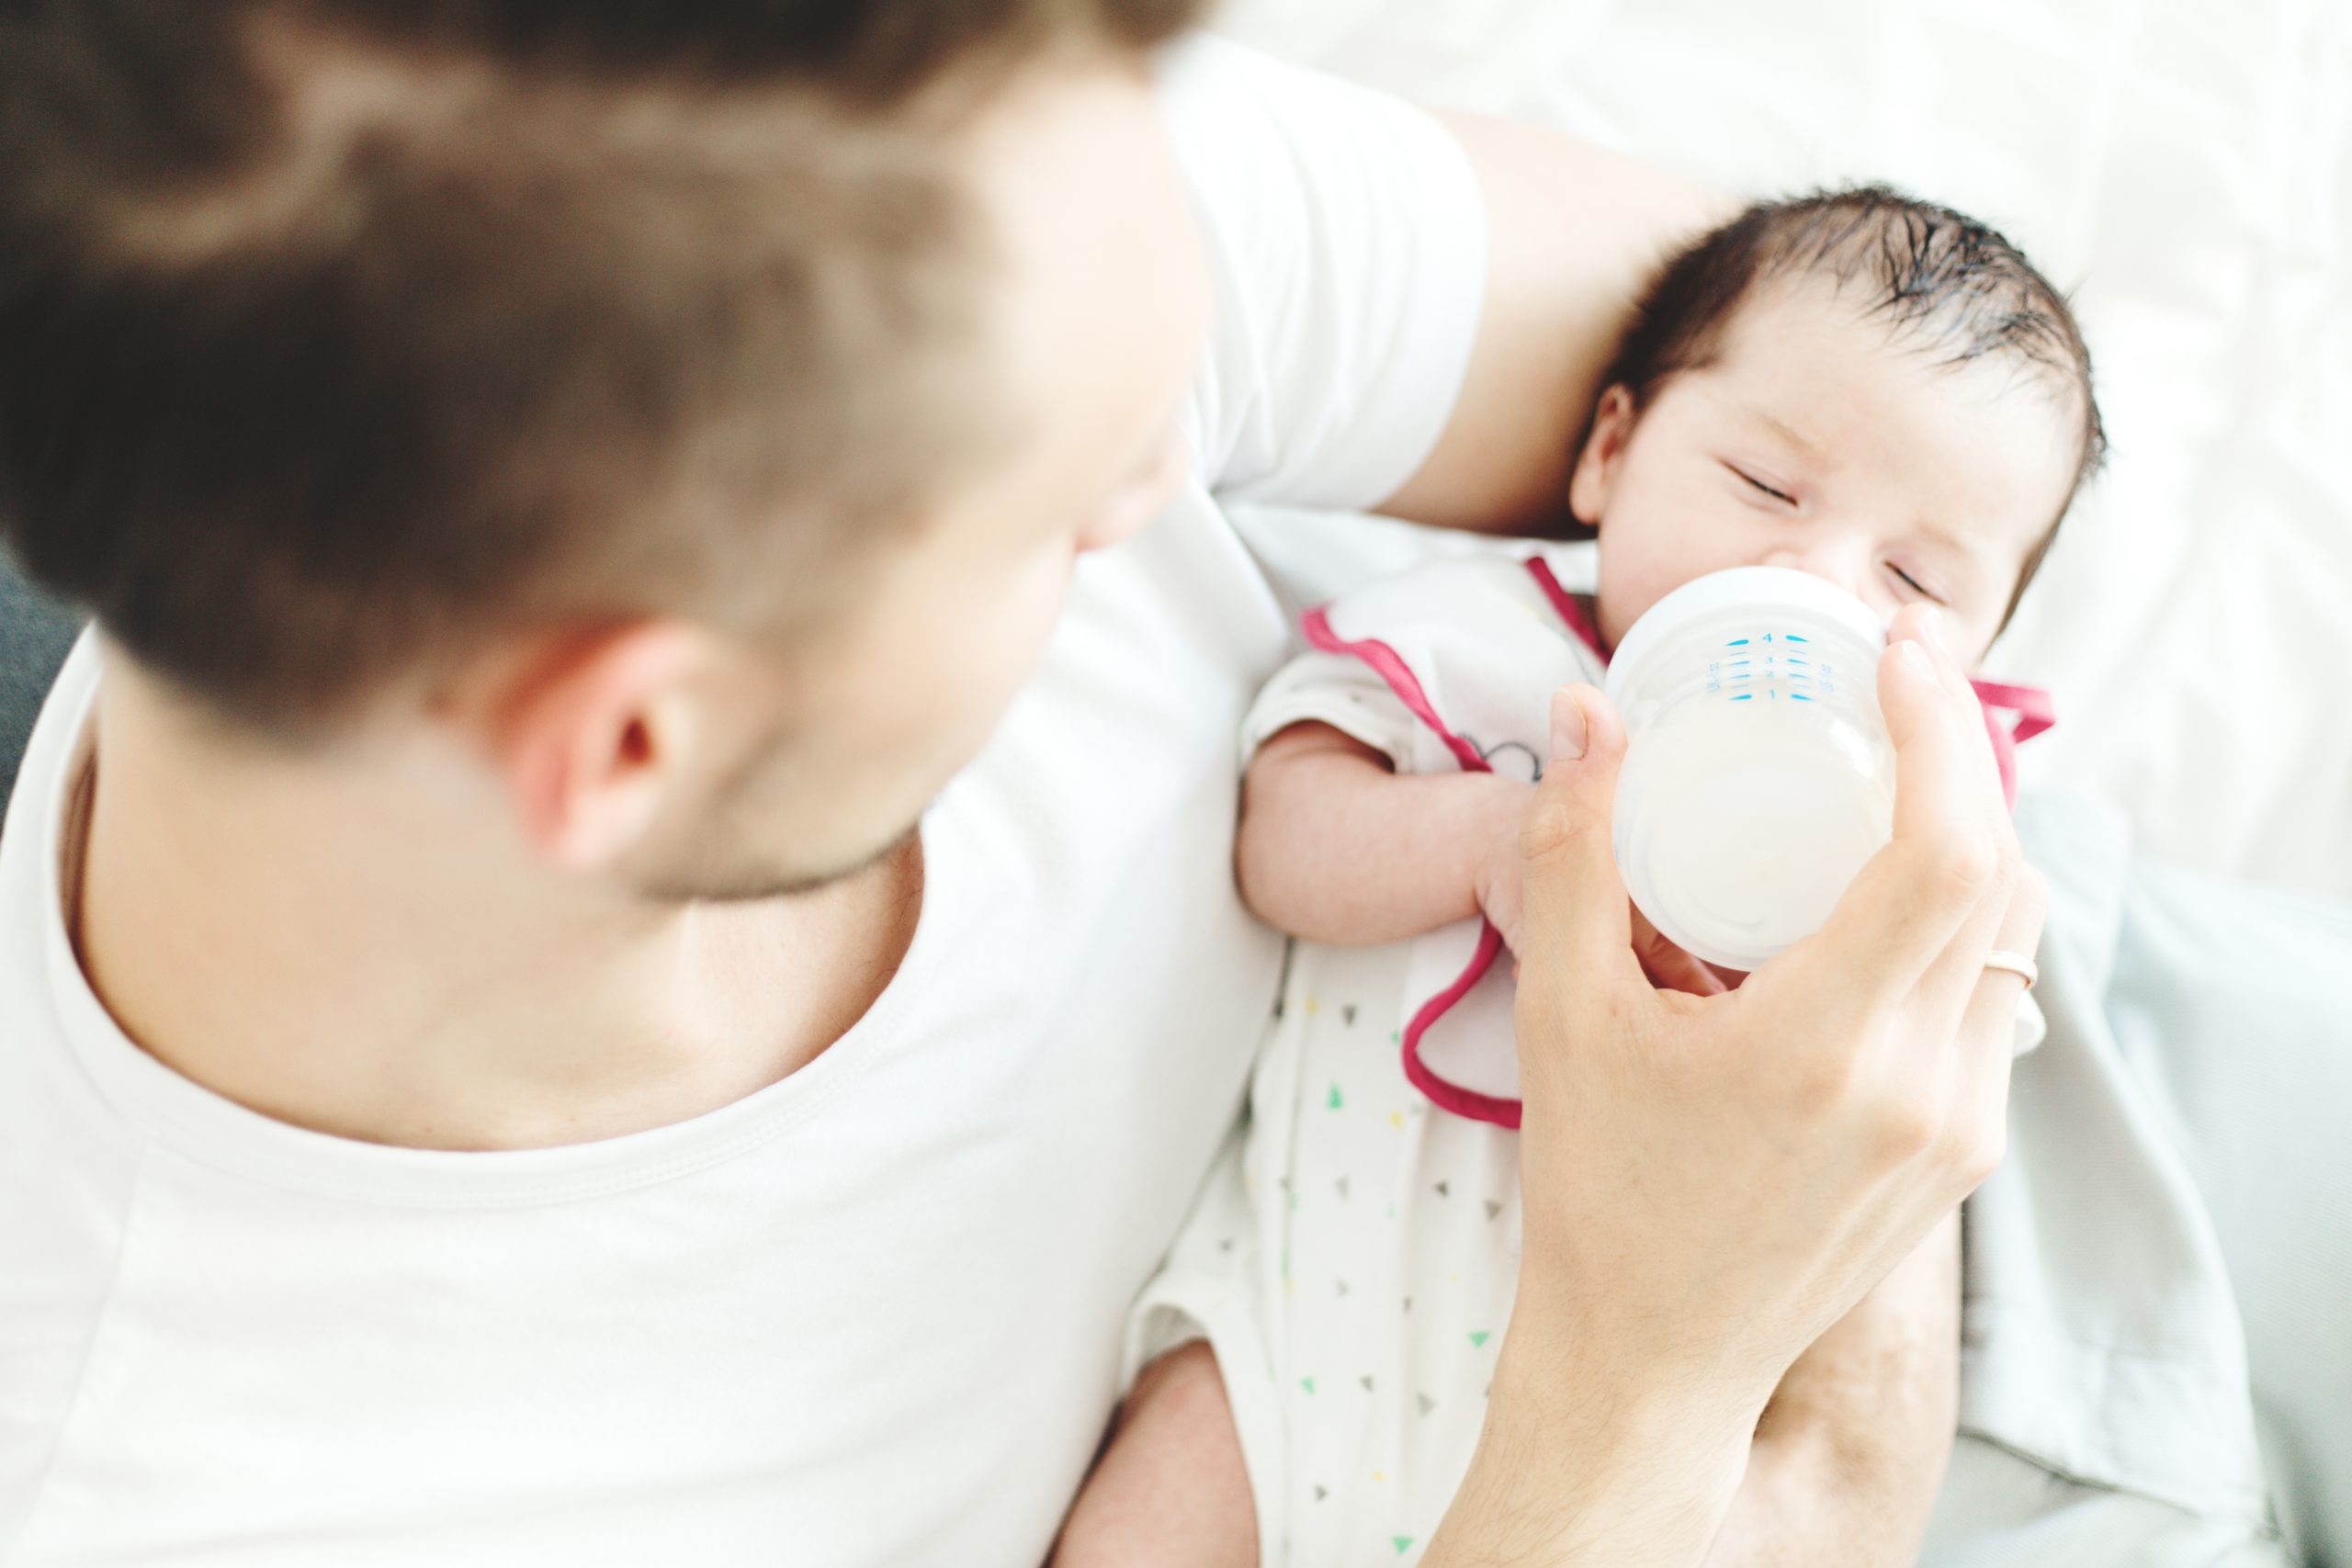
{"points": [[1630, 584]]}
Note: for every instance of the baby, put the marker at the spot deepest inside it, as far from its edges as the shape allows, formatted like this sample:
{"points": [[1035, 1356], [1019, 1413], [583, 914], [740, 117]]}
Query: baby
{"points": [[1870, 388]]}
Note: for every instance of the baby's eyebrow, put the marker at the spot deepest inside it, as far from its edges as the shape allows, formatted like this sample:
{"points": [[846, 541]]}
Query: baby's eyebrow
{"points": [[1785, 431], [1935, 533]]}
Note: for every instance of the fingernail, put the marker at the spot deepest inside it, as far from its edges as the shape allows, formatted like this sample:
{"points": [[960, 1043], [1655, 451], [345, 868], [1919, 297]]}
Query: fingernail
{"points": [[1568, 728], [1915, 660]]}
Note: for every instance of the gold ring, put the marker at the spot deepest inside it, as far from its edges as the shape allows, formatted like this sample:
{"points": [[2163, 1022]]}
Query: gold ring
{"points": [[2015, 964]]}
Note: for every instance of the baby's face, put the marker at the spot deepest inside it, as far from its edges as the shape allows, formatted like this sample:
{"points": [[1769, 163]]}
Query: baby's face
{"points": [[1814, 441]]}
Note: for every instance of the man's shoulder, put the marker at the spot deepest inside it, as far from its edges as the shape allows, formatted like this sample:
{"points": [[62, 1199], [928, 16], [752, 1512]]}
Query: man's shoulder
{"points": [[68, 1171], [1345, 240]]}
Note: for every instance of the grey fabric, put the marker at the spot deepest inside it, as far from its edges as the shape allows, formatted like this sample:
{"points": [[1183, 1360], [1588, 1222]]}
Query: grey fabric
{"points": [[1999, 1510], [2232, 1005], [35, 633], [2159, 1319], [2101, 1337]]}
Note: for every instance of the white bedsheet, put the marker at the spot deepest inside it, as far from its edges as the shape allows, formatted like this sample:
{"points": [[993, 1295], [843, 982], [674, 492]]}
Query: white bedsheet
{"points": [[2186, 167]]}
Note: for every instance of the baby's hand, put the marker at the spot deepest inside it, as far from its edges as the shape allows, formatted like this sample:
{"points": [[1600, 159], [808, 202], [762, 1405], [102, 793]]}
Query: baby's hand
{"points": [[1496, 878], [1668, 967]]}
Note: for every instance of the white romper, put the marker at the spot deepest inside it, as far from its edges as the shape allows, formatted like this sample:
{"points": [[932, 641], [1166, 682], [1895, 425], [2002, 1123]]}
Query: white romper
{"points": [[1353, 1255]]}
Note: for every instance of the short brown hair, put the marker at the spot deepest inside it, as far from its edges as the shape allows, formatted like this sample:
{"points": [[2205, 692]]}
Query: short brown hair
{"points": [[337, 336], [1936, 276]]}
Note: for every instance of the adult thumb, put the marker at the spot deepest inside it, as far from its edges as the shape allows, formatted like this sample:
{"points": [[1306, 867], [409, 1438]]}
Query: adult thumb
{"points": [[1576, 917]]}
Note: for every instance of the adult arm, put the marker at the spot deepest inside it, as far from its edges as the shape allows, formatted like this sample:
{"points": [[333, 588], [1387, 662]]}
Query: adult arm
{"points": [[1413, 312], [1574, 232], [1711, 1183], [1852, 1451]]}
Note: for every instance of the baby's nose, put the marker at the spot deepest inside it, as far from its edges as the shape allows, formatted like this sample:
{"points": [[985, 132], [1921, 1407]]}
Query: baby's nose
{"points": [[1830, 564]]}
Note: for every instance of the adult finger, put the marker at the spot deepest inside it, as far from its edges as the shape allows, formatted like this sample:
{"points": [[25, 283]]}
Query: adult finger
{"points": [[1575, 915], [1912, 896], [1937, 1013], [1920, 624], [1988, 1026], [1956, 974]]}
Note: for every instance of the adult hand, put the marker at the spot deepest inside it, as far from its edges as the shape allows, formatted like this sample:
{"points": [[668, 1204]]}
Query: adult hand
{"points": [[1708, 1182], [1499, 883]]}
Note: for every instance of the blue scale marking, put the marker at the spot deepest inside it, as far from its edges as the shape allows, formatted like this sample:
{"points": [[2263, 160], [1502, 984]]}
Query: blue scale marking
{"points": [[1745, 697]]}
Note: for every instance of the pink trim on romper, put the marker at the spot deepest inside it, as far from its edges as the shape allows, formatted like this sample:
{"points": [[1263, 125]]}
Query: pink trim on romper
{"points": [[1385, 663], [2035, 713], [1448, 1096], [1564, 605], [1389, 667], [2031, 705]]}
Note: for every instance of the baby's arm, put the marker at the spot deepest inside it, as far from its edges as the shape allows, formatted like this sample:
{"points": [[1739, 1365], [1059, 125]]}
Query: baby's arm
{"points": [[1336, 847]]}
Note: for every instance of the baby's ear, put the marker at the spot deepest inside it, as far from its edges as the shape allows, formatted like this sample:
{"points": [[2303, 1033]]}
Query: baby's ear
{"points": [[1604, 447]]}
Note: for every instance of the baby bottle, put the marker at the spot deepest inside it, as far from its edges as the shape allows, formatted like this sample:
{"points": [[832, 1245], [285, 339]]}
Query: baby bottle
{"points": [[1758, 776]]}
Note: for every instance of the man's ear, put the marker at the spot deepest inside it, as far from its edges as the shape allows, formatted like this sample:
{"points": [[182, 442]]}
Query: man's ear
{"points": [[591, 737], [1604, 450]]}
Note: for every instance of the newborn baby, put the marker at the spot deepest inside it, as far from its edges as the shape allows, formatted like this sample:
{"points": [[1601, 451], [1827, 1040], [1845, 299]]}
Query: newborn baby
{"points": [[1873, 389]]}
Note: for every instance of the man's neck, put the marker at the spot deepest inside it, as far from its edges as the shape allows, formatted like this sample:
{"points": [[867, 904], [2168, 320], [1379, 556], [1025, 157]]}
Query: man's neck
{"points": [[352, 947]]}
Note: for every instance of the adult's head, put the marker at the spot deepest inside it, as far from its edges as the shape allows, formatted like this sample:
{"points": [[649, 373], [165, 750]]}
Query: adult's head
{"points": [[697, 408], [1855, 383]]}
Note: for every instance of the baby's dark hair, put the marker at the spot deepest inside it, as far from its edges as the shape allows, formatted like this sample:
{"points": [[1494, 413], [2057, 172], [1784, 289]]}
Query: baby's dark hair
{"points": [[1937, 278]]}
